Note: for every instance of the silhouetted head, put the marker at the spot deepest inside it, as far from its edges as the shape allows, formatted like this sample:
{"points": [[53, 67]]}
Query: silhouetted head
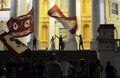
{"points": [[53, 56], [65, 58], [108, 63], [1, 21], [80, 35], [60, 35], [98, 61], [52, 37], [82, 62]]}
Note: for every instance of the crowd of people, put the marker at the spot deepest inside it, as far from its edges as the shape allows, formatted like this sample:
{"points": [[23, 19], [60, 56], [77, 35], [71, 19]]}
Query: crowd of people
{"points": [[56, 68]]}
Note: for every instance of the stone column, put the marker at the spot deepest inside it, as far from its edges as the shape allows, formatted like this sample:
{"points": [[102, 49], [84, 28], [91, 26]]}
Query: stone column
{"points": [[72, 43], [13, 8], [52, 22], [36, 7], [95, 22], [102, 12], [71, 8], [36, 15]]}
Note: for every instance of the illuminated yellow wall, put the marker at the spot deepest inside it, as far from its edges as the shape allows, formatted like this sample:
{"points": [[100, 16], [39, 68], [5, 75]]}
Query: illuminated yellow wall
{"points": [[63, 5], [5, 4], [86, 22], [44, 23], [113, 18]]}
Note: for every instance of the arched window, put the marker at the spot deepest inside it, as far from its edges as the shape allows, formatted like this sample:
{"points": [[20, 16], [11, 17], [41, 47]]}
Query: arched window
{"points": [[114, 8]]}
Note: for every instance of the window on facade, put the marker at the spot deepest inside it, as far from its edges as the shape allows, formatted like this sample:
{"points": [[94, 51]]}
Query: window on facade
{"points": [[64, 4], [114, 8], [5, 5], [63, 32]]}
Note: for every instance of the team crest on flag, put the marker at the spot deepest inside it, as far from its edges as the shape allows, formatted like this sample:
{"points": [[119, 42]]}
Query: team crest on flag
{"points": [[13, 45], [21, 26], [70, 23]]}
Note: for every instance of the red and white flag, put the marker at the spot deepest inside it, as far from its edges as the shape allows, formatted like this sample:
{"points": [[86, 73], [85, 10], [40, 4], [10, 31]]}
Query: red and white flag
{"points": [[13, 45], [22, 25], [70, 23]]}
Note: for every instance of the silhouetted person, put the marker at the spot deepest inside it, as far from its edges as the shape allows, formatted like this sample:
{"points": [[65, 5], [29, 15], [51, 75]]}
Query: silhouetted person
{"points": [[110, 70], [21, 71], [80, 42], [92, 69], [72, 71], [83, 73], [40, 68], [61, 43], [34, 43], [52, 43], [3, 71], [32, 70], [66, 67], [10, 66], [53, 68], [99, 69]]}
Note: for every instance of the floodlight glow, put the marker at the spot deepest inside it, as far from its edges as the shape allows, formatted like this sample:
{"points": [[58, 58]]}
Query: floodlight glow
{"points": [[118, 0]]}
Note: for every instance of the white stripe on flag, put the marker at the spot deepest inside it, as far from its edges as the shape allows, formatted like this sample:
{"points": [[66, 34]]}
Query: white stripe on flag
{"points": [[70, 23]]}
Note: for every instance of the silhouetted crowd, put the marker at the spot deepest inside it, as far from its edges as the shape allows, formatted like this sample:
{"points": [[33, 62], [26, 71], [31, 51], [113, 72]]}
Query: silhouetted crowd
{"points": [[55, 68]]}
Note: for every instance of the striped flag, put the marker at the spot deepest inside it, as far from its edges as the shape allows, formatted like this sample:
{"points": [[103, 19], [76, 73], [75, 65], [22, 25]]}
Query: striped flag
{"points": [[13, 45], [70, 23]]}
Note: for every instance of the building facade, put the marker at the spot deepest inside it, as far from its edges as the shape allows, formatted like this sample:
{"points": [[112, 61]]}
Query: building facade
{"points": [[88, 19], [90, 14]]}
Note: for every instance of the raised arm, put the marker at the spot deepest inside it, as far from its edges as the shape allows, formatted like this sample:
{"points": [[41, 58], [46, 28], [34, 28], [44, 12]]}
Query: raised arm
{"points": [[76, 35], [53, 38], [65, 36], [56, 36]]}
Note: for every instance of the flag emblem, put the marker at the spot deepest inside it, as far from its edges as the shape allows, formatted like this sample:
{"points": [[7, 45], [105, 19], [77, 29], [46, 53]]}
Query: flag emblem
{"points": [[12, 44], [22, 25]]}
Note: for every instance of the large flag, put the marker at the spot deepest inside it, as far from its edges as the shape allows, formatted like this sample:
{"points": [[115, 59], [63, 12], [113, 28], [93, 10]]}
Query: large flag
{"points": [[13, 45], [70, 23], [22, 25]]}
